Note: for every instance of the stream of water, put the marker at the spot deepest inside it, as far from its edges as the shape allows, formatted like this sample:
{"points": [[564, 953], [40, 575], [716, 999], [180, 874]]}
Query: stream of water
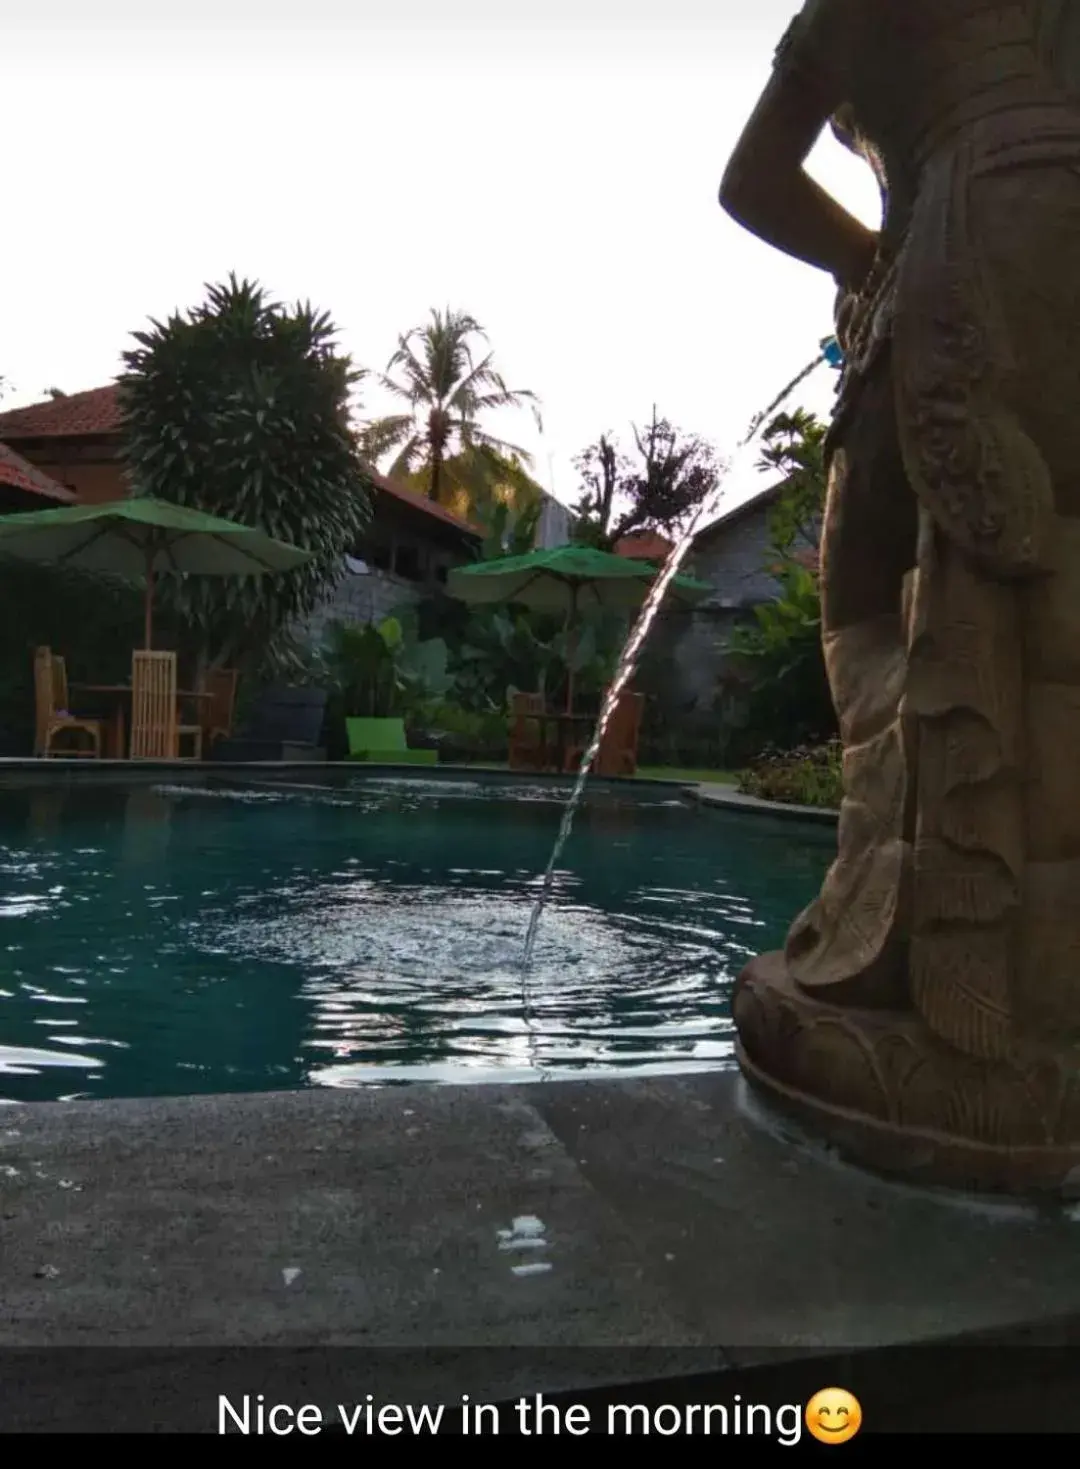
{"points": [[628, 661]]}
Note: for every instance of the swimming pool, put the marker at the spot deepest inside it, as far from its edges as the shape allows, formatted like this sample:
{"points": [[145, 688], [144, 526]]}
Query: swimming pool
{"points": [[255, 935]]}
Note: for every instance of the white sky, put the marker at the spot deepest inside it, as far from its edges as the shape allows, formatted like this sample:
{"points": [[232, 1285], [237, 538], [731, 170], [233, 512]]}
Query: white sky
{"points": [[550, 166]]}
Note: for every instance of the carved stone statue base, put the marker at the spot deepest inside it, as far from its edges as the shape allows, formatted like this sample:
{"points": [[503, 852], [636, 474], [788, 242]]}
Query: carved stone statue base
{"points": [[890, 1096]]}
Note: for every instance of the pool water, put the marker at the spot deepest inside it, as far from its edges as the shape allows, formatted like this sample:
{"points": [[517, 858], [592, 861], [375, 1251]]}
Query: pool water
{"points": [[167, 940]]}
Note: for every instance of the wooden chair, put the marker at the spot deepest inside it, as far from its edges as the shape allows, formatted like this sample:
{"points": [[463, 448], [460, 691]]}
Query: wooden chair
{"points": [[528, 750], [156, 731], [217, 712], [52, 716], [617, 755]]}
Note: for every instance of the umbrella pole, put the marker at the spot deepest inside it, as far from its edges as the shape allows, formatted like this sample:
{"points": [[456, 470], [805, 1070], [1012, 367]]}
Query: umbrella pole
{"points": [[148, 624], [571, 649]]}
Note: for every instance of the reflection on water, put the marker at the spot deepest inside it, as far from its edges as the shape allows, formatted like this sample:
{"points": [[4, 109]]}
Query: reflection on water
{"points": [[208, 938], [147, 815], [43, 811]]}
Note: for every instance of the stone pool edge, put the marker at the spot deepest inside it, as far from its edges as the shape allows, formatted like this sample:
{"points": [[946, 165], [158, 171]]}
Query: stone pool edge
{"points": [[714, 794], [14, 770]]}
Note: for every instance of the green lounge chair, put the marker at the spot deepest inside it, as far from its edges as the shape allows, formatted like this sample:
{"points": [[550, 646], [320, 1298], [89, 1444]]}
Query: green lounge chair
{"points": [[382, 741]]}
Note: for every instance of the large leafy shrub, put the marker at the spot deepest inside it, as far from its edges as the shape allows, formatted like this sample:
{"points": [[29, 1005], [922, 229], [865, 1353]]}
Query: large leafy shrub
{"points": [[809, 776], [466, 735], [781, 697], [778, 695], [240, 407], [380, 670]]}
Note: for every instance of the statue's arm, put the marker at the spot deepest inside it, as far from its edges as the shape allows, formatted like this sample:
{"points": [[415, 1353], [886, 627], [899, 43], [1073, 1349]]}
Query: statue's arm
{"points": [[766, 187]]}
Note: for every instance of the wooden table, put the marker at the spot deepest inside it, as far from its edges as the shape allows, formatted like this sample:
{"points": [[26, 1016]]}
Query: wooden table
{"points": [[118, 695], [566, 726]]}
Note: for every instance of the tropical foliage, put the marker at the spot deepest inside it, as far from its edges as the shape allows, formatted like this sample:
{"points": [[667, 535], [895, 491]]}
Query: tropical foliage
{"points": [[780, 695], [455, 688], [475, 486], [672, 474], [509, 530], [467, 734], [785, 693], [382, 669], [808, 776], [240, 407], [793, 448], [444, 376], [500, 649], [509, 527]]}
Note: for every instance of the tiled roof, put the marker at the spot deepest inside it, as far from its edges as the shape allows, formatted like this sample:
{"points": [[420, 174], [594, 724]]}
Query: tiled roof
{"points": [[98, 412], [422, 503], [761, 501], [15, 471], [644, 545], [73, 416], [808, 557]]}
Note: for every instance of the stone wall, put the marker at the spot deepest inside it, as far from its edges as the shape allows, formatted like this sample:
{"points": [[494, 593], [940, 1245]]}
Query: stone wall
{"points": [[699, 656], [363, 598], [732, 558], [554, 526], [407, 555]]}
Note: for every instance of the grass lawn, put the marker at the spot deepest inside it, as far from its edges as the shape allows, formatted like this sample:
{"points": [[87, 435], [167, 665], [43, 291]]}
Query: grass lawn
{"points": [[688, 777]]}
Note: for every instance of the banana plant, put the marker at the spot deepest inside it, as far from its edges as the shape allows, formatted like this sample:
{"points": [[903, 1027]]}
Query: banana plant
{"points": [[381, 669], [423, 671]]}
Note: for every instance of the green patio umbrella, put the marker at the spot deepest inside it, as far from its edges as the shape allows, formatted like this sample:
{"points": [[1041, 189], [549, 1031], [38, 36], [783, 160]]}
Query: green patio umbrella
{"points": [[567, 579], [141, 537]]}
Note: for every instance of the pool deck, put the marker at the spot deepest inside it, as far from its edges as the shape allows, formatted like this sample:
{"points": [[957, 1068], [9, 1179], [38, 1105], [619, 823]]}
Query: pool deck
{"points": [[665, 1213]]}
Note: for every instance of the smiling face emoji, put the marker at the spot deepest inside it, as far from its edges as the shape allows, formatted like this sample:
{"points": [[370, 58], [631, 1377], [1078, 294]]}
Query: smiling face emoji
{"points": [[833, 1415]]}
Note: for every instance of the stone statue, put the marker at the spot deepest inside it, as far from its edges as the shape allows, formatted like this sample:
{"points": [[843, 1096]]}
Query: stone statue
{"points": [[925, 1013]]}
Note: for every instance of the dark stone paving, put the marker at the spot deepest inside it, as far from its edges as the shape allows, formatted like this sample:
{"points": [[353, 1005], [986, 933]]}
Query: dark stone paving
{"points": [[667, 1215]]}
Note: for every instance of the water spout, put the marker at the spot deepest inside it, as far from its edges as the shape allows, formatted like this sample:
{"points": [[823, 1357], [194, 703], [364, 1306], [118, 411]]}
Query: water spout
{"points": [[628, 660]]}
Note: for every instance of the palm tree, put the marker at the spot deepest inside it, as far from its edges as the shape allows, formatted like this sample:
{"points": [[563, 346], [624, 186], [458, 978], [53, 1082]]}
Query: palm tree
{"points": [[474, 484], [436, 374]]}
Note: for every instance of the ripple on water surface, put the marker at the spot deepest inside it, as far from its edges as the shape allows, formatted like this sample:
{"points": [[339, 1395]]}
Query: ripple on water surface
{"points": [[178, 939]]}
